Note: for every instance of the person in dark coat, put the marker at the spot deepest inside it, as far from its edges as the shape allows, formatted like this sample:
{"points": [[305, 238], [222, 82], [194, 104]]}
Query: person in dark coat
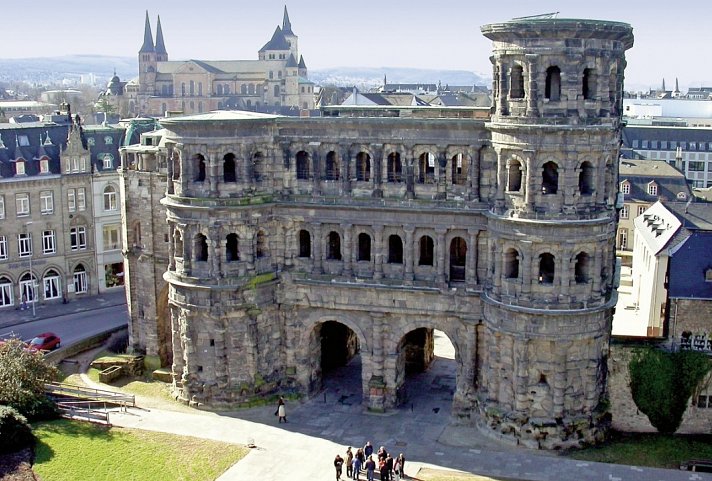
{"points": [[338, 463], [368, 449]]}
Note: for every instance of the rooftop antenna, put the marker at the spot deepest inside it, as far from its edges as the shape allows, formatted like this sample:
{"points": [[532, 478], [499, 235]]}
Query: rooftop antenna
{"points": [[542, 16]]}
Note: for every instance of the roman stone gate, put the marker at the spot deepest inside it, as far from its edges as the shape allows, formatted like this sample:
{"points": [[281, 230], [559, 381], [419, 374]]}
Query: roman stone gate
{"points": [[296, 243]]}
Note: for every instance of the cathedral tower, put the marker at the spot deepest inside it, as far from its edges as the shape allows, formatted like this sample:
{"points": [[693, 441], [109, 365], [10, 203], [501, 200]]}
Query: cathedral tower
{"points": [[148, 59], [555, 129]]}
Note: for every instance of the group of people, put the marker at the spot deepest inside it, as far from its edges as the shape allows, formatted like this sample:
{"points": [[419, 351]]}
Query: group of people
{"points": [[388, 468]]}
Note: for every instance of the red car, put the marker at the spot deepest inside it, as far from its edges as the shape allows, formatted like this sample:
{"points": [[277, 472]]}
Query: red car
{"points": [[44, 342]]}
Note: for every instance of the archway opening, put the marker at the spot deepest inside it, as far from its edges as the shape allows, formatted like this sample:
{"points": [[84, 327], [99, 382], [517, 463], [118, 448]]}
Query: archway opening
{"points": [[426, 370], [336, 363]]}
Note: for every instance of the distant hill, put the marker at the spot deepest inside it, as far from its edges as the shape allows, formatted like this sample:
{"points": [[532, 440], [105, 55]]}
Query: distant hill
{"points": [[50, 70], [46, 70], [367, 77]]}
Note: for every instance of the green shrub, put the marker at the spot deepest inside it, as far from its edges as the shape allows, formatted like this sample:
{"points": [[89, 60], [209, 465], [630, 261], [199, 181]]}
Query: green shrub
{"points": [[23, 375], [15, 433], [662, 382]]}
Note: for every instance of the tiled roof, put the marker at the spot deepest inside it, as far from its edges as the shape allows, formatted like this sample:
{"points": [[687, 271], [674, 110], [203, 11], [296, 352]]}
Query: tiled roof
{"points": [[640, 173], [277, 42]]}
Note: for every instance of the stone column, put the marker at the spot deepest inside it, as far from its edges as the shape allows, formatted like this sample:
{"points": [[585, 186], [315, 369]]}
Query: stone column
{"points": [[318, 249], [595, 274], [348, 249], [214, 250], [410, 249], [530, 187], [497, 281], [440, 246], [471, 265], [501, 181], [525, 269], [213, 170], [377, 170], [521, 381], [503, 89], [475, 173], [169, 169], [186, 170], [172, 247], [375, 400], [409, 168], [378, 252], [533, 90], [560, 384], [316, 172], [187, 235], [441, 173], [563, 271]]}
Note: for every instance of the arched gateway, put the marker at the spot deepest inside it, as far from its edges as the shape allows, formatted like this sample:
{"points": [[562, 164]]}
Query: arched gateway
{"points": [[512, 258]]}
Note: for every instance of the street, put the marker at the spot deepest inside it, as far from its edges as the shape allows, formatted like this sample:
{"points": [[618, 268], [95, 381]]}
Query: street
{"points": [[71, 327]]}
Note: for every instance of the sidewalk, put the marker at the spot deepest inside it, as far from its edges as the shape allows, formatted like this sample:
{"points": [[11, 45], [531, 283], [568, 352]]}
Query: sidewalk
{"points": [[321, 427], [13, 317]]}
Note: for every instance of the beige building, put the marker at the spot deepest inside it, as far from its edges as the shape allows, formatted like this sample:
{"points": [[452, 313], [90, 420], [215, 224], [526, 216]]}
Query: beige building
{"points": [[643, 182], [46, 246], [296, 245], [276, 81]]}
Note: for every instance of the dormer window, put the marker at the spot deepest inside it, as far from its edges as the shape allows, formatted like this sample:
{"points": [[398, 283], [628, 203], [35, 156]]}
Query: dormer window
{"points": [[625, 188], [681, 196], [91, 141], [108, 140], [20, 167], [652, 188], [44, 165]]}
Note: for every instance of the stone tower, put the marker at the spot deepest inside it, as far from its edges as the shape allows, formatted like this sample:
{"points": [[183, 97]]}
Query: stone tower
{"points": [[295, 244], [555, 129], [147, 60]]}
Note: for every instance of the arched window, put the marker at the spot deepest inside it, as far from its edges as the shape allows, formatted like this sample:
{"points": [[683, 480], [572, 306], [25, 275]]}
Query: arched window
{"points": [[220, 91], [199, 162], [586, 179], [333, 247], [552, 89], [229, 172], [426, 171], [304, 243], [261, 245], [110, 199], [6, 298], [459, 169], [546, 268], [81, 284], [178, 247], [302, 165], [182, 89], [232, 252], [550, 178], [581, 273], [243, 89], [332, 166], [363, 167], [258, 166], [427, 250], [395, 168], [28, 287], [226, 89], [192, 88], [516, 85], [276, 90], [395, 249], [51, 284], [511, 264], [458, 259], [514, 176], [200, 248], [364, 247], [588, 84], [251, 89]]}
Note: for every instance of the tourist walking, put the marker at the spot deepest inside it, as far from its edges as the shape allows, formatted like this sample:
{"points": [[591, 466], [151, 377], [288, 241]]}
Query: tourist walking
{"points": [[389, 466], [361, 456], [383, 469], [368, 449], [281, 410], [356, 468], [338, 463], [370, 468], [349, 462], [382, 453], [400, 466]]}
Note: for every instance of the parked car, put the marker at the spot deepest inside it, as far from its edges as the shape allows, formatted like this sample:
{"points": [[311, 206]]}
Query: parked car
{"points": [[44, 342]]}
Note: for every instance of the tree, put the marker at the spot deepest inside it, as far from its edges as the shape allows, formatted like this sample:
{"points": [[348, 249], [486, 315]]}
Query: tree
{"points": [[662, 382], [23, 374]]}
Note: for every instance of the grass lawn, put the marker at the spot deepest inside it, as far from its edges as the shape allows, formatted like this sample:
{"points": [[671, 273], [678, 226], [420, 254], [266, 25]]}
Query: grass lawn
{"points": [[655, 450], [71, 450]]}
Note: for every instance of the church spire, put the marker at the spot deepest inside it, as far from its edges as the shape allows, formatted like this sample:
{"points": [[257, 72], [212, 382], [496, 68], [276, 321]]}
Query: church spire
{"points": [[147, 38], [160, 46], [663, 84], [286, 24]]}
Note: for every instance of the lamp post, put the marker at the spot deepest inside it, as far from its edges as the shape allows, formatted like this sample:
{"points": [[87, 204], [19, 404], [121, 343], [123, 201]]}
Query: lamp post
{"points": [[32, 274]]}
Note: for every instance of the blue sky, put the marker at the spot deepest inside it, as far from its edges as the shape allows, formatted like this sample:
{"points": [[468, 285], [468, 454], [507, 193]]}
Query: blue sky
{"points": [[444, 34]]}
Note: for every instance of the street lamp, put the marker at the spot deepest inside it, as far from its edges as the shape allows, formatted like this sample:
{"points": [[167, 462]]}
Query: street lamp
{"points": [[32, 274]]}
